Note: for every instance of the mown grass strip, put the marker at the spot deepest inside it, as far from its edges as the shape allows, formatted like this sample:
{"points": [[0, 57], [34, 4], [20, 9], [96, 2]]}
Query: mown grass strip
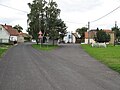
{"points": [[110, 56], [3, 49]]}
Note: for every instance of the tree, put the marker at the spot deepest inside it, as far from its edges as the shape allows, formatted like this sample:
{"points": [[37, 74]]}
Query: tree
{"points": [[117, 33], [52, 14], [102, 36], [44, 16], [61, 28], [36, 18], [18, 27], [82, 31]]}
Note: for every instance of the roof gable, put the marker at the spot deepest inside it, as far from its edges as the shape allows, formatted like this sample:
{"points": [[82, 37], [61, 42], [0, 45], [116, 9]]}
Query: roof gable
{"points": [[10, 30]]}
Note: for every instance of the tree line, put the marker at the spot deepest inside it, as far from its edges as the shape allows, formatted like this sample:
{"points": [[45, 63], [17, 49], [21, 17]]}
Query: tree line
{"points": [[45, 17]]}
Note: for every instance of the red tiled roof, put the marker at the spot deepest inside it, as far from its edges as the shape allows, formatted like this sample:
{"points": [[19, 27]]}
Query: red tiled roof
{"points": [[93, 32], [10, 30], [108, 31]]}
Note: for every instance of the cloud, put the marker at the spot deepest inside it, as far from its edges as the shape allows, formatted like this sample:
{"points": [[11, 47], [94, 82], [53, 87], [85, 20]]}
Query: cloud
{"points": [[78, 5], [75, 13]]}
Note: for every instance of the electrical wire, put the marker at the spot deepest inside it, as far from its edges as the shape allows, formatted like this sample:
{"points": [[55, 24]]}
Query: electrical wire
{"points": [[13, 8], [74, 22], [67, 21], [106, 14]]}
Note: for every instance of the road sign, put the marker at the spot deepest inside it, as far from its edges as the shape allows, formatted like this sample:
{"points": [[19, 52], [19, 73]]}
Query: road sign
{"points": [[40, 33], [40, 36]]}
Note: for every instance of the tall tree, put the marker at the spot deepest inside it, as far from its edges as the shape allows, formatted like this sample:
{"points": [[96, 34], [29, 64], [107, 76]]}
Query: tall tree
{"points": [[53, 13], [36, 18], [18, 27], [44, 16]]}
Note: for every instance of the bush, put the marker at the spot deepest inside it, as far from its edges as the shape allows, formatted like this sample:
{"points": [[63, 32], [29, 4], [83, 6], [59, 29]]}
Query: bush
{"points": [[102, 37]]}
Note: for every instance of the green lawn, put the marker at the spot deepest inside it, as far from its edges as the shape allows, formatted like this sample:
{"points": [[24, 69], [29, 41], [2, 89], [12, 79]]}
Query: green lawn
{"points": [[44, 47], [3, 49], [110, 56]]}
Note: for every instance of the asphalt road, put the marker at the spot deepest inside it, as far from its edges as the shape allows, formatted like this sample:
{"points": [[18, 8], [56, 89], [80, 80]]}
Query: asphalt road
{"points": [[66, 68]]}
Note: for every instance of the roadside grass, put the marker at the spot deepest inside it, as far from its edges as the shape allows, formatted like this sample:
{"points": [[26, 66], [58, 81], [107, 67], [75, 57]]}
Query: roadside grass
{"points": [[3, 49], [44, 47], [110, 56]]}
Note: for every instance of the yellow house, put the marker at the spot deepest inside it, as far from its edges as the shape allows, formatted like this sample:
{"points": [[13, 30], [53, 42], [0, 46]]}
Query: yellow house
{"points": [[89, 36]]}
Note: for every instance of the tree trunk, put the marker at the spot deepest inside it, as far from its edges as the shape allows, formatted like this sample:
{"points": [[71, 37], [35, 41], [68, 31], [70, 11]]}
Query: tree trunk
{"points": [[53, 41], [37, 41]]}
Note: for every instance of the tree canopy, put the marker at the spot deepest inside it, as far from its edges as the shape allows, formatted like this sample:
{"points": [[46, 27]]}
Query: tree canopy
{"points": [[82, 31], [18, 27], [117, 33], [44, 16]]}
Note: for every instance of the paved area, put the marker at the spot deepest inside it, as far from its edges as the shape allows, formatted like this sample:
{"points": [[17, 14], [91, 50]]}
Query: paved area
{"points": [[66, 68]]}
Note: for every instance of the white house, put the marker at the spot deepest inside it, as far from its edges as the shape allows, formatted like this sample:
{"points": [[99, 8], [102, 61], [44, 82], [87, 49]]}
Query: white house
{"points": [[71, 37], [4, 35], [7, 33]]}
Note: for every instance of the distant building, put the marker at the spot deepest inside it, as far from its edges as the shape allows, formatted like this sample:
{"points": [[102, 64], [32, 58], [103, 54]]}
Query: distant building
{"points": [[89, 36], [76, 38], [24, 37], [72, 38]]}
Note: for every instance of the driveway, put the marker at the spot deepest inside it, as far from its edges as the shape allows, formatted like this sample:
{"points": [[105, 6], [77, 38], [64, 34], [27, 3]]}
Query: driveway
{"points": [[66, 68]]}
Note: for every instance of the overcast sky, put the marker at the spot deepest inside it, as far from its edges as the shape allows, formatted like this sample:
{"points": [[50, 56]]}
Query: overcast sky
{"points": [[75, 13]]}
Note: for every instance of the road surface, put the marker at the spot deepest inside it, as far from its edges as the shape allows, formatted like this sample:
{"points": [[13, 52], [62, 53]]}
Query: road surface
{"points": [[66, 68]]}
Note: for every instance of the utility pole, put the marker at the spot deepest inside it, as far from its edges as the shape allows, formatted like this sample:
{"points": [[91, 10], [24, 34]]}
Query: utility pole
{"points": [[88, 32], [115, 32], [115, 24]]}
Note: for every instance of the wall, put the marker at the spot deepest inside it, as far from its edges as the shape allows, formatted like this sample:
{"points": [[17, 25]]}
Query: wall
{"points": [[90, 41], [13, 38], [4, 35], [20, 39], [112, 37]]}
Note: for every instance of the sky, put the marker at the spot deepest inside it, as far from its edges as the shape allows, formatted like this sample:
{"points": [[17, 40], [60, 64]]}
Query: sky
{"points": [[75, 13]]}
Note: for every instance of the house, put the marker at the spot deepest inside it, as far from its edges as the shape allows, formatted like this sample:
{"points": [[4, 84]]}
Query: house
{"points": [[23, 37], [20, 38], [89, 36], [72, 37], [76, 38], [8, 34], [69, 38]]}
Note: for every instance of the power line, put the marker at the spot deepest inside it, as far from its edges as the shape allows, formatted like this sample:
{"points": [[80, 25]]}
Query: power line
{"points": [[74, 22], [65, 21], [106, 14], [13, 8]]}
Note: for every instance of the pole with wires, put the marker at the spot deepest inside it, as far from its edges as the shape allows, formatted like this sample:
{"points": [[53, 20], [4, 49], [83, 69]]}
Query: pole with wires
{"points": [[88, 32], [115, 32]]}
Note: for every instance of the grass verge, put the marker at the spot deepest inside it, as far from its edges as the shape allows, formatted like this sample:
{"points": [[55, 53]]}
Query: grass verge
{"points": [[3, 49], [110, 56], [44, 47]]}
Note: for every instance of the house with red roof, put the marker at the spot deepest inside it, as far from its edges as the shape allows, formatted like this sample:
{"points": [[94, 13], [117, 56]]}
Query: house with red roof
{"points": [[8, 34], [89, 36]]}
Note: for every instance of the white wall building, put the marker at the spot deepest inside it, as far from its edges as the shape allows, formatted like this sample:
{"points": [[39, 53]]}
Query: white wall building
{"points": [[7, 33], [71, 37]]}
